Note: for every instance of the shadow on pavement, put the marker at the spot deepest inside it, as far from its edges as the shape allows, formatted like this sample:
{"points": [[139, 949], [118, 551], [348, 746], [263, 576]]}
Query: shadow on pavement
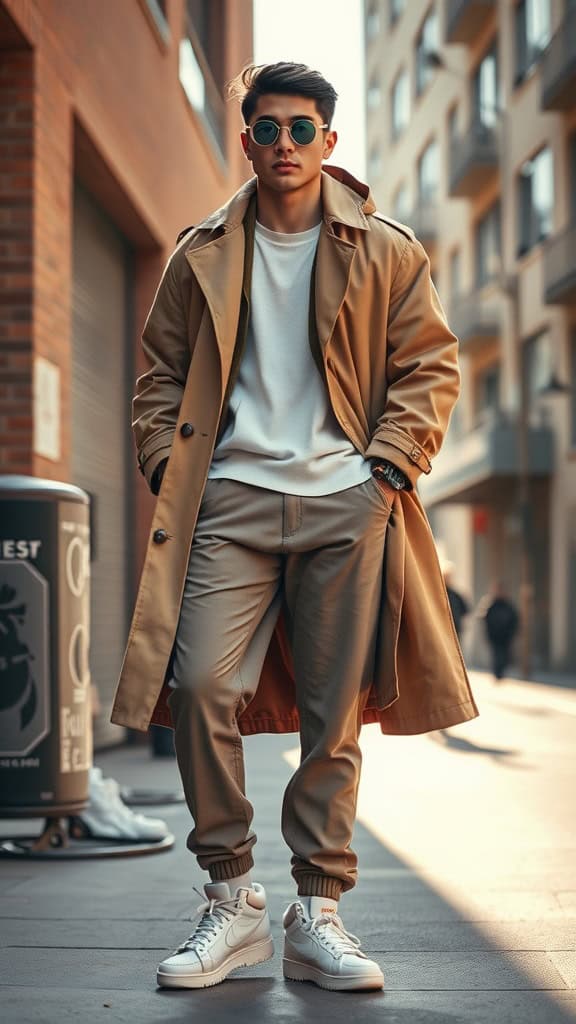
{"points": [[499, 754]]}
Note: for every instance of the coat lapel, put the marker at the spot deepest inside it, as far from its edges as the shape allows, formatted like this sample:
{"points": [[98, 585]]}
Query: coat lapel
{"points": [[218, 268], [334, 264]]}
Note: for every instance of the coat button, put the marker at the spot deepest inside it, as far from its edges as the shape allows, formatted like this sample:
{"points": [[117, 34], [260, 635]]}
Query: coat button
{"points": [[160, 536], [186, 430]]}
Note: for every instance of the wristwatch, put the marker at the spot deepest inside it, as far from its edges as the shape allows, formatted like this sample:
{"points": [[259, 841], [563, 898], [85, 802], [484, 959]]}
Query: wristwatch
{"points": [[391, 474]]}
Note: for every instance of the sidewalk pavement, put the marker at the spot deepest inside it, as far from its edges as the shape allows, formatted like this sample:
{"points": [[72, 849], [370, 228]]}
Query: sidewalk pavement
{"points": [[467, 890]]}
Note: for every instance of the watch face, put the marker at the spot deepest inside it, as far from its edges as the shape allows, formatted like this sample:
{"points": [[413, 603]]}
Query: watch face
{"points": [[390, 475]]}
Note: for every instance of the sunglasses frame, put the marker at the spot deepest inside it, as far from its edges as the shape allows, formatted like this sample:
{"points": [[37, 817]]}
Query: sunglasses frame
{"points": [[270, 120]]}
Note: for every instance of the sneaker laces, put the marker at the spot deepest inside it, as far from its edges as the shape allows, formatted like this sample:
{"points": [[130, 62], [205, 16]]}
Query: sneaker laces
{"points": [[214, 915], [331, 932]]}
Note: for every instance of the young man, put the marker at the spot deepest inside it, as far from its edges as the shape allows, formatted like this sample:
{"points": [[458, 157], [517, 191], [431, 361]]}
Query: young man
{"points": [[301, 376]]}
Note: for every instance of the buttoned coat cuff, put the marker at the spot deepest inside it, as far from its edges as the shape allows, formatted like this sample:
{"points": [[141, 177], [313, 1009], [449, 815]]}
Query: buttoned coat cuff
{"points": [[147, 466], [395, 446]]}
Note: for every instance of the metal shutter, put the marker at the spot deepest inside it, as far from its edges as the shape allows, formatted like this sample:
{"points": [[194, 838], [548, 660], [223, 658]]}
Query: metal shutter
{"points": [[100, 424]]}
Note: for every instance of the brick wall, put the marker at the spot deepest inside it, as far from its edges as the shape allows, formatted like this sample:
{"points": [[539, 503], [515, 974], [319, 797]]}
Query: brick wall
{"points": [[16, 218], [97, 97]]}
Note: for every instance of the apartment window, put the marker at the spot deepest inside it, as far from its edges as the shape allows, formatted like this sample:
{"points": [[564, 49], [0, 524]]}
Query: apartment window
{"points": [[373, 21], [396, 8], [201, 64], [487, 393], [536, 200], [427, 42], [485, 90], [400, 104], [401, 203], [429, 173], [374, 94], [375, 162], [455, 272], [207, 20], [537, 360], [532, 33], [488, 246]]}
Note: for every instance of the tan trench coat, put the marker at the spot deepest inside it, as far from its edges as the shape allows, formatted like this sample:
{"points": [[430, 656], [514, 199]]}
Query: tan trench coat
{"points": [[391, 370]]}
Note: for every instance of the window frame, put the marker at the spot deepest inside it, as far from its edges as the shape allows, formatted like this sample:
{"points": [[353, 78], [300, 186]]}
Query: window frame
{"points": [[396, 131], [527, 53], [426, 198], [486, 379], [424, 73], [527, 235], [493, 214], [486, 116]]}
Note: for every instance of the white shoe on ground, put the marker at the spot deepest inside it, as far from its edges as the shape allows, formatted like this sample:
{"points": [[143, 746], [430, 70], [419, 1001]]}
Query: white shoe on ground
{"points": [[108, 817], [233, 931], [321, 950]]}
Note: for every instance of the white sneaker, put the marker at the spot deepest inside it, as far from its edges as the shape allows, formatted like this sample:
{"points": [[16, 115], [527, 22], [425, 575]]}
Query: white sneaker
{"points": [[233, 931], [321, 950], [108, 817]]}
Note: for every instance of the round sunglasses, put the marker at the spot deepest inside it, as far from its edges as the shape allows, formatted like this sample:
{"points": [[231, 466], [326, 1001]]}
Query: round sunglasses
{"points": [[302, 131]]}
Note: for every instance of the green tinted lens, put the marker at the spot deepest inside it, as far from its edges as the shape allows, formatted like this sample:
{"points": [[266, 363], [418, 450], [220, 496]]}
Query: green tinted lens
{"points": [[303, 131], [265, 133]]}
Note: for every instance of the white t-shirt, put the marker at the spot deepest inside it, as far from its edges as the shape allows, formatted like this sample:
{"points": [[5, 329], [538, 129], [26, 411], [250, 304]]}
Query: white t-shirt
{"points": [[281, 432]]}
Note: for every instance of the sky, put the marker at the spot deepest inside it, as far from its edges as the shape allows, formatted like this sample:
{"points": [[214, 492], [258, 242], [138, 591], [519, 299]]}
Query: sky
{"points": [[328, 36]]}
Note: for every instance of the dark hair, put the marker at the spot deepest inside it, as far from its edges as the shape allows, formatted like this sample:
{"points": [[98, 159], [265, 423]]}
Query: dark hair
{"points": [[289, 79]]}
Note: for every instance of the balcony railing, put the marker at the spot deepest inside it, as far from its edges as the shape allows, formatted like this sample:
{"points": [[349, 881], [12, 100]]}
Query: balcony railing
{"points": [[559, 67], [485, 460], [474, 321], [474, 160], [466, 18], [560, 268]]}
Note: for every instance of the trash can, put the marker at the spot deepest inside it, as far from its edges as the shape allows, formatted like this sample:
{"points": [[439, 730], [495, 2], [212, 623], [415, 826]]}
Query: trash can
{"points": [[45, 719]]}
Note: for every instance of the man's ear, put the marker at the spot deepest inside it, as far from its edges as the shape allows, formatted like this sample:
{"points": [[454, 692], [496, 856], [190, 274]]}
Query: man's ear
{"points": [[245, 140], [329, 143]]}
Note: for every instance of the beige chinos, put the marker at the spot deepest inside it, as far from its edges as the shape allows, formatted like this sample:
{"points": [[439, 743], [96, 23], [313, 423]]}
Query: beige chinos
{"points": [[323, 557]]}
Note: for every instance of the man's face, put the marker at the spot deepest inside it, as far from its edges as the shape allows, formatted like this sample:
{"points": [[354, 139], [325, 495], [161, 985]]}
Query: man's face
{"points": [[285, 166]]}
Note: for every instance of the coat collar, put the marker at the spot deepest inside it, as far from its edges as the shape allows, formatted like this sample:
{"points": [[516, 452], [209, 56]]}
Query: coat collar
{"points": [[344, 199]]}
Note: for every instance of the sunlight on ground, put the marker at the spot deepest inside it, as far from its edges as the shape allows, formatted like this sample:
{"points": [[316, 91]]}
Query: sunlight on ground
{"points": [[474, 810]]}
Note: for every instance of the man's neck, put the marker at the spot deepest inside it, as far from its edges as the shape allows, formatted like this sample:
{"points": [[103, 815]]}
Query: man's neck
{"points": [[290, 212]]}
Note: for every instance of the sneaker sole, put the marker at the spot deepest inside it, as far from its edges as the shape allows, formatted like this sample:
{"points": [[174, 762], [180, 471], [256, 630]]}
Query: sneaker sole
{"points": [[295, 971], [245, 957]]}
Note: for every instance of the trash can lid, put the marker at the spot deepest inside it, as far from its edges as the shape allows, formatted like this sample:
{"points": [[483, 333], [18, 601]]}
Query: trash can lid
{"points": [[12, 485]]}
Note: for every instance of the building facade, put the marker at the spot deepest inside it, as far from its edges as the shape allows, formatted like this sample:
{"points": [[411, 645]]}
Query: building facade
{"points": [[115, 135], [471, 139]]}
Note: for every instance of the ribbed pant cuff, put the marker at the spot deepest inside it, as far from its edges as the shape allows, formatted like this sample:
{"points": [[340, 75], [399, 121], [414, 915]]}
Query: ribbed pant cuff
{"points": [[312, 884], [222, 870]]}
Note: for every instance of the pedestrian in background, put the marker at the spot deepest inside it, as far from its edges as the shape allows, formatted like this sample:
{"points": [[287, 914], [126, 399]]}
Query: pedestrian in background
{"points": [[458, 603], [501, 621], [300, 377]]}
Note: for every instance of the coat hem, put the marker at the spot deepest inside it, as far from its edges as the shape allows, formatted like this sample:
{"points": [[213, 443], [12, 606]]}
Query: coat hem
{"points": [[398, 725]]}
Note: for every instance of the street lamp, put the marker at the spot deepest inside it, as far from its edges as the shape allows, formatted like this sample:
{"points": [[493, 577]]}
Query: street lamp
{"points": [[508, 284]]}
